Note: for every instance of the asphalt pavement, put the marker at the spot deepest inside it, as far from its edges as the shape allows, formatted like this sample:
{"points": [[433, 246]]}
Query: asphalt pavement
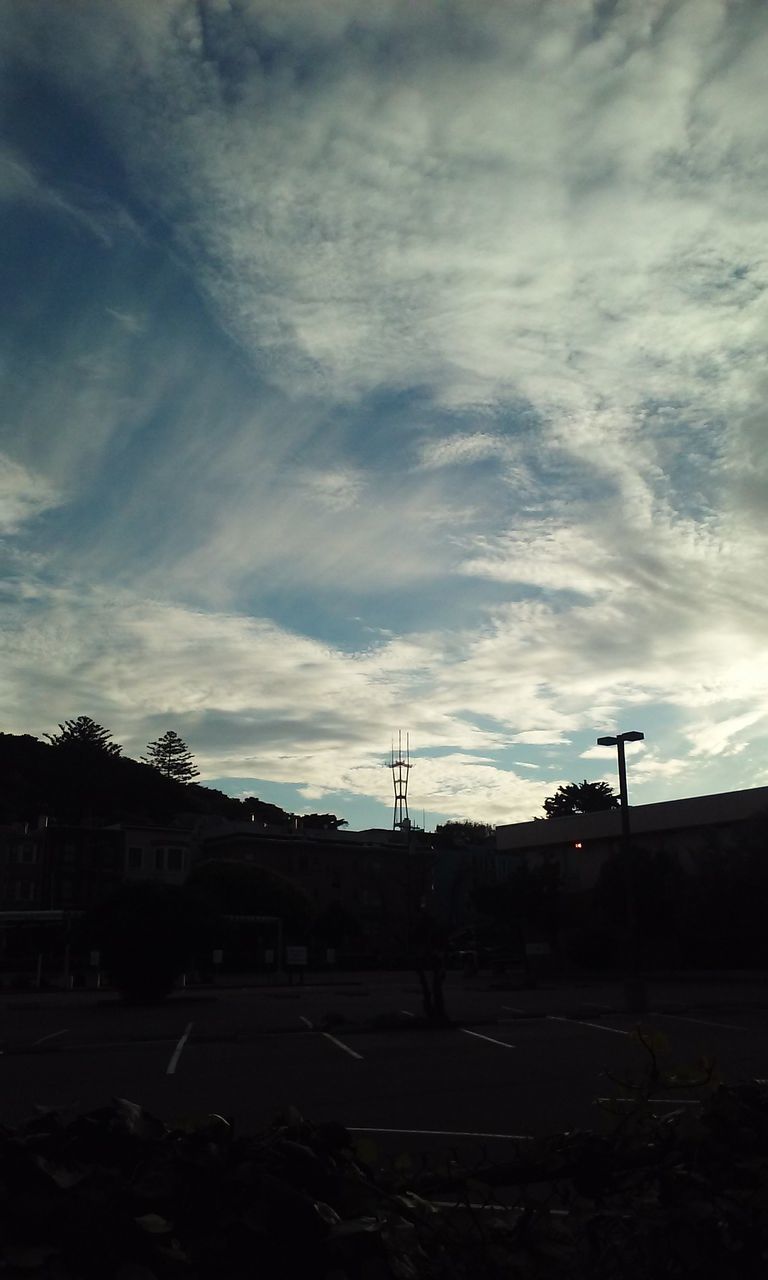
{"points": [[517, 1063]]}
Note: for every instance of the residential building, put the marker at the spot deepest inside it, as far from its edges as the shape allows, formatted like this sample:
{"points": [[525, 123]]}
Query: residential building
{"points": [[159, 853], [370, 874]]}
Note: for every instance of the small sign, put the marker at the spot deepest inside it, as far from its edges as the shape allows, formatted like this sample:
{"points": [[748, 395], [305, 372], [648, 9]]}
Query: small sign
{"points": [[218, 956], [537, 948], [296, 955], [269, 956], [95, 959]]}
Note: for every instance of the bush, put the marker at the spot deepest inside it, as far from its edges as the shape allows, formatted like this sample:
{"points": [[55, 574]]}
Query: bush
{"points": [[118, 1195]]}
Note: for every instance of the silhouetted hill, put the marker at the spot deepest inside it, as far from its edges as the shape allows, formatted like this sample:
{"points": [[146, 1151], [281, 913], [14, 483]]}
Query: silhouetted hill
{"points": [[80, 784]]}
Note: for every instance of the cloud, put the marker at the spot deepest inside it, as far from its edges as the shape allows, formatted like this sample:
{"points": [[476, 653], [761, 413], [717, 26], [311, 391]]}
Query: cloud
{"points": [[726, 737], [92, 211], [23, 495], [459, 449], [540, 738], [446, 322], [458, 224]]}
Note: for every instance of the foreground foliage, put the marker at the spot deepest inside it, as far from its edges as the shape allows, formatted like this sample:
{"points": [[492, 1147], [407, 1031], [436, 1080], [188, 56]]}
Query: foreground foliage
{"points": [[119, 1194]]}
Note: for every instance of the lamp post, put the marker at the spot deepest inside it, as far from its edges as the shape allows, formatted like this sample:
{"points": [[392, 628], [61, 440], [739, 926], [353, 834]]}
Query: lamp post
{"points": [[634, 986]]}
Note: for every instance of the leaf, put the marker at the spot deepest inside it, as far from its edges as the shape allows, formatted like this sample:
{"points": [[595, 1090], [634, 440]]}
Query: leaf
{"points": [[26, 1257], [327, 1214], [366, 1151], [136, 1121], [480, 1190], [212, 1126], [62, 1176], [154, 1224], [411, 1201]]}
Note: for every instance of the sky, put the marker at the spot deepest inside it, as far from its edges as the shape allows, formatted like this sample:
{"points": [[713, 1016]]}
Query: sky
{"points": [[380, 365]]}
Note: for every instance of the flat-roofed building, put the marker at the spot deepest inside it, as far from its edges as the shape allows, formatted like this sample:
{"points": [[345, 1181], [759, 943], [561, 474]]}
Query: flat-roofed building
{"points": [[582, 843]]}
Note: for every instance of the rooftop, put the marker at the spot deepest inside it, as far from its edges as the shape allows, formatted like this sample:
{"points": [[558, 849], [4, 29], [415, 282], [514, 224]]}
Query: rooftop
{"points": [[665, 815]]}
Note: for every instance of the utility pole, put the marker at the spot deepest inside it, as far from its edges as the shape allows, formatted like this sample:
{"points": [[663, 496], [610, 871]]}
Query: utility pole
{"points": [[634, 982]]}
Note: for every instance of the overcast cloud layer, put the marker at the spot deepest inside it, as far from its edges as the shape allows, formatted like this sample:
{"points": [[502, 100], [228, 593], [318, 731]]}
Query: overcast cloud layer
{"points": [[381, 365]]}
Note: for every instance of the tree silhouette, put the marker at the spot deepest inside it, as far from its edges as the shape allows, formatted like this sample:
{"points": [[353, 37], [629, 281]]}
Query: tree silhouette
{"points": [[463, 833], [580, 797], [171, 757], [322, 822], [84, 732]]}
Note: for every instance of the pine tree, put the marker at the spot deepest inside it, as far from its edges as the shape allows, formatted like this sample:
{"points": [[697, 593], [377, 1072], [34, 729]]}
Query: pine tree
{"points": [[84, 732], [580, 797], [171, 757]]}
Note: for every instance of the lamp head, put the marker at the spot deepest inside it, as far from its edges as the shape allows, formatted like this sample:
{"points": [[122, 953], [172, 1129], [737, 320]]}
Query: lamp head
{"points": [[633, 736], [607, 742]]}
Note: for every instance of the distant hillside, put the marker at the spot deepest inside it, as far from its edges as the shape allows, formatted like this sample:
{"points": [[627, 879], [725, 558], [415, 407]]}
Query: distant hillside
{"points": [[77, 785]]}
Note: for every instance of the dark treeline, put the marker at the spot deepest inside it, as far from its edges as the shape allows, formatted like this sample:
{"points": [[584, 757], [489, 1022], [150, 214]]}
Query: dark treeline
{"points": [[87, 784]]}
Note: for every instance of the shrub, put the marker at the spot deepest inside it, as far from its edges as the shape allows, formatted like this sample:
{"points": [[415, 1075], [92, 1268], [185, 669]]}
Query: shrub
{"points": [[118, 1195]]}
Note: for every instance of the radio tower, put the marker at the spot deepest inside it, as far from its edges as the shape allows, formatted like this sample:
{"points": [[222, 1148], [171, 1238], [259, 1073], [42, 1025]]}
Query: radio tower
{"points": [[400, 766]]}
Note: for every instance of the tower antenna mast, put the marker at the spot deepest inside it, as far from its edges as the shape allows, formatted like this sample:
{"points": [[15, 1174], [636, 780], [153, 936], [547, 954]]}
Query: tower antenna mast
{"points": [[400, 765]]}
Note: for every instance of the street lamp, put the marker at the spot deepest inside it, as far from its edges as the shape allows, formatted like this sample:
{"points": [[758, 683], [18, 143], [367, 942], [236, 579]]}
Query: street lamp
{"points": [[634, 984]]}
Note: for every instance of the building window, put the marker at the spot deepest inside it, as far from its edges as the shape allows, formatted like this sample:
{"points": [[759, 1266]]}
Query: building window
{"points": [[24, 890], [159, 859], [175, 859], [135, 859], [27, 853], [65, 890]]}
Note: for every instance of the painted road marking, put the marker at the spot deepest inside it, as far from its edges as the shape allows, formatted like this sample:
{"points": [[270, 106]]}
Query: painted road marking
{"points": [[491, 1040], [340, 1044], [115, 1044], [408, 1013], [50, 1036], [169, 1070], [447, 1133], [673, 1102], [553, 1017], [511, 1008], [494, 1206], [702, 1022], [306, 1021]]}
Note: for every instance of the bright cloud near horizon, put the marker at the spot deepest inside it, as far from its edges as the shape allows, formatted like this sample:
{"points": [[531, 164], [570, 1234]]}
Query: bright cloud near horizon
{"points": [[389, 366]]}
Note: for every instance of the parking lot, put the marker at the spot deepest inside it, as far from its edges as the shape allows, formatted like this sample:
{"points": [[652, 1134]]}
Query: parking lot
{"points": [[517, 1063]]}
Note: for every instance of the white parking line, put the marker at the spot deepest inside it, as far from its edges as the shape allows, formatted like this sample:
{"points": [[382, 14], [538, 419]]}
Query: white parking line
{"points": [[702, 1022], [554, 1017], [341, 1045], [408, 1013], [306, 1021], [169, 1070], [116, 1044], [447, 1133], [494, 1206], [673, 1102], [512, 1008], [51, 1036], [503, 1043]]}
